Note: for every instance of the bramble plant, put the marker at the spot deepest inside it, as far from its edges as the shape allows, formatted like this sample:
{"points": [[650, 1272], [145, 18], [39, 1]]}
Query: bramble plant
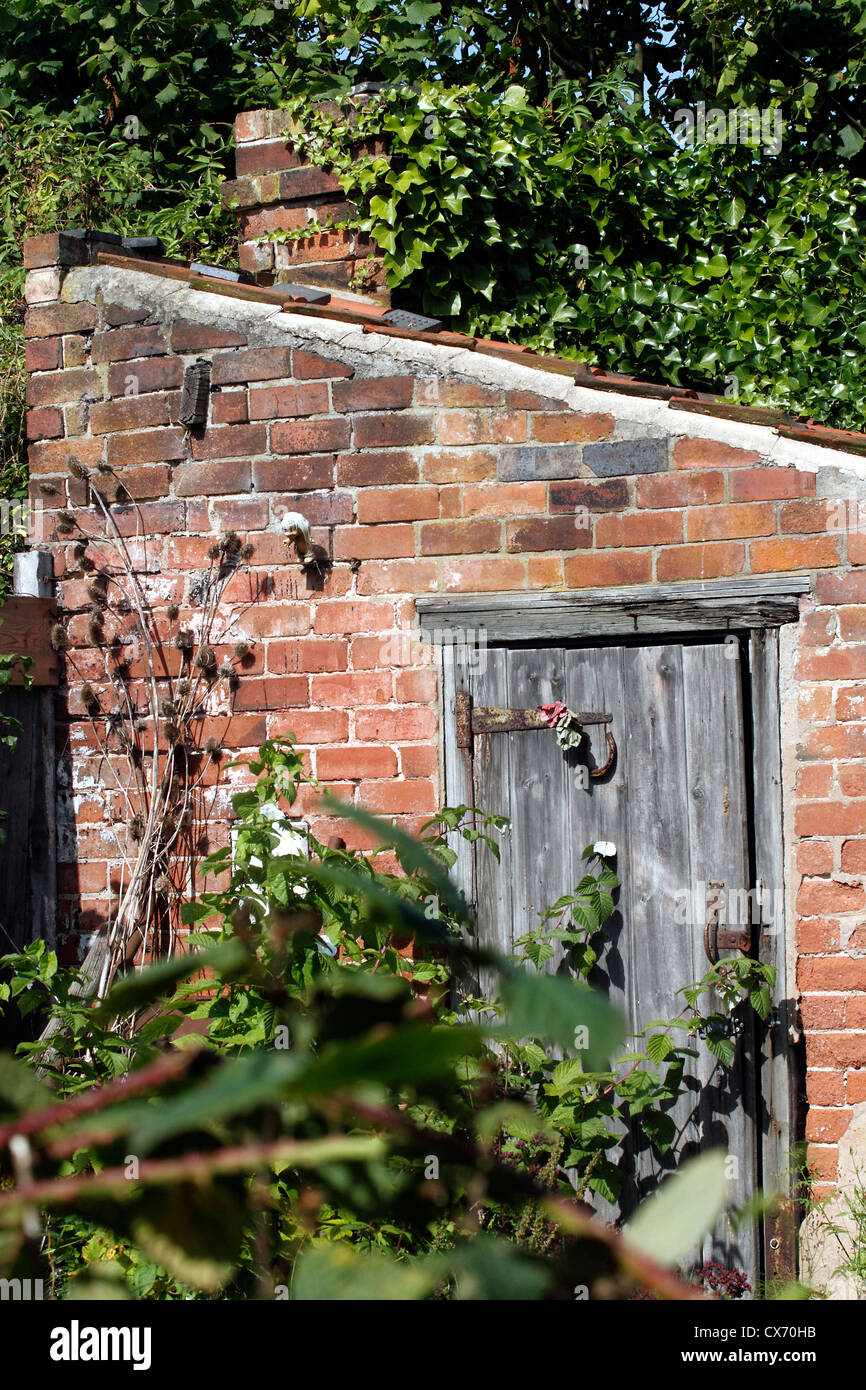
{"points": [[357, 1116]]}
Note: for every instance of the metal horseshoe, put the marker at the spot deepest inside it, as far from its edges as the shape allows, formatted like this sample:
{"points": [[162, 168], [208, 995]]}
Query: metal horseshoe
{"points": [[597, 772]]}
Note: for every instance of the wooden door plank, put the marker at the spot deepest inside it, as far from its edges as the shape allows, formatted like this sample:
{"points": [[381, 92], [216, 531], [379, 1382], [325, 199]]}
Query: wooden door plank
{"points": [[492, 783], [777, 1059], [599, 811], [541, 823], [715, 789], [459, 790]]}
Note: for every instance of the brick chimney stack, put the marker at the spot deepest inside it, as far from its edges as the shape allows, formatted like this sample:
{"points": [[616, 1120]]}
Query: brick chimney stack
{"points": [[277, 189]]}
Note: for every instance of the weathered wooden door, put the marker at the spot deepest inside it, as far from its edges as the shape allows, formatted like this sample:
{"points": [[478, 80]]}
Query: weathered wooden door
{"points": [[677, 806]]}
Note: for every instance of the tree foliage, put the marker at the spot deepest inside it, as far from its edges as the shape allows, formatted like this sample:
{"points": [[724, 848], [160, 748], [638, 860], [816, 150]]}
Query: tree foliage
{"points": [[526, 137]]}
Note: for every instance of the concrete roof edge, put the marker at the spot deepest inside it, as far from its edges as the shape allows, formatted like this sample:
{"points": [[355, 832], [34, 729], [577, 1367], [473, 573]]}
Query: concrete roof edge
{"points": [[270, 326]]}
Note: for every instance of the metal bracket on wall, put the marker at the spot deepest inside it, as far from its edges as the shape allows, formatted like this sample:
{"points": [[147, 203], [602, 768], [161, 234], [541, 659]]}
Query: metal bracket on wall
{"points": [[486, 719]]}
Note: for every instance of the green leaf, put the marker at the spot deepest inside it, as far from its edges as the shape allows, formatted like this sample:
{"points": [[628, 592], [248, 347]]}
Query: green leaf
{"points": [[659, 1127], [682, 1210], [491, 1269], [194, 1230], [134, 991], [329, 1272], [659, 1046], [562, 1010], [850, 141]]}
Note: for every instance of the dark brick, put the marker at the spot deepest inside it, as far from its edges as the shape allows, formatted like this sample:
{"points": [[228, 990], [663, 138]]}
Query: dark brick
{"points": [[148, 481], [376, 470], [459, 537], [275, 475], [627, 456], [524, 463], [47, 320], [382, 431], [309, 366], [60, 388], [547, 533], [380, 393], [325, 509], [213, 477], [251, 364], [117, 315], [145, 446], [146, 374], [153, 518], [310, 436], [46, 423], [281, 402], [596, 497], [42, 355], [265, 158], [306, 182], [120, 344], [129, 413], [196, 337], [230, 441]]}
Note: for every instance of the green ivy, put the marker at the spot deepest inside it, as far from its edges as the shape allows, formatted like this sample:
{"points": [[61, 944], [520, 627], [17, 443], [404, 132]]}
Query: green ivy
{"points": [[582, 228]]}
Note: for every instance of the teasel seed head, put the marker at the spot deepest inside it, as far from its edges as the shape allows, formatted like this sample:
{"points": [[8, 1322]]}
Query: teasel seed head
{"points": [[211, 747], [162, 884], [89, 699], [95, 631], [65, 523], [184, 641], [227, 671], [96, 594], [172, 731], [230, 543], [167, 708], [103, 467], [247, 550], [213, 552], [86, 564], [59, 638], [76, 468], [240, 650], [205, 657], [172, 612], [136, 827], [183, 688]]}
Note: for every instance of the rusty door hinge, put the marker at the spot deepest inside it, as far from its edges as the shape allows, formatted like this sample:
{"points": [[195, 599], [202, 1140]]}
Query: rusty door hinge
{"points": [[780, 1239], [718, 938], [487, 719]]}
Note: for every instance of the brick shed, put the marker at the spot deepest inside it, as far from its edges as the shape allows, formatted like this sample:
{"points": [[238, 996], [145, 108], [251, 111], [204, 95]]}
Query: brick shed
{"points": [[461, 485]]}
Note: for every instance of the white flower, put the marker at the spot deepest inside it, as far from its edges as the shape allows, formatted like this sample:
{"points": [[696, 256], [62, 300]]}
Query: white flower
{"points": [[605, 849]]}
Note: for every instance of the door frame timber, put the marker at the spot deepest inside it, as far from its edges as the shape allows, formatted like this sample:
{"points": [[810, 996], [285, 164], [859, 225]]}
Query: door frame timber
{"points": [[753, 609]]}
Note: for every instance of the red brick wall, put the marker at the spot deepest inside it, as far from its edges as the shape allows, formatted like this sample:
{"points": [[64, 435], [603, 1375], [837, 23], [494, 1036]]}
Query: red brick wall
{"points": [[421, 483], [278, 191]]}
